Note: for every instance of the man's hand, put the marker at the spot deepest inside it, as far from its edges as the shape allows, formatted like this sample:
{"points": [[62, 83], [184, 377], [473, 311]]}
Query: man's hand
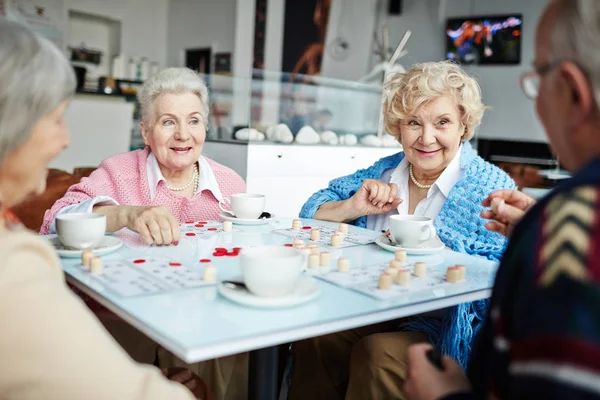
{"points": [[426, 382], [507, 209]]}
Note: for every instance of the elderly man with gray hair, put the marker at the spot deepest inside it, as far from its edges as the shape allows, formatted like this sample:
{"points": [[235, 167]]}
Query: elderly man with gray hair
{"points": [[541, 339]]}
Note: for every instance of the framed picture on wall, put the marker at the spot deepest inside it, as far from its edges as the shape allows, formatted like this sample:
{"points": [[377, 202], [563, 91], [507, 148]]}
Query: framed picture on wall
{"points": [[223, 63]]}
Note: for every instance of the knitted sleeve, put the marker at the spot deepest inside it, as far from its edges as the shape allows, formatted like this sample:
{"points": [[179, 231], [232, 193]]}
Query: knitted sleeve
{"points": [[99, 183], [460, 225], [343, 188]]}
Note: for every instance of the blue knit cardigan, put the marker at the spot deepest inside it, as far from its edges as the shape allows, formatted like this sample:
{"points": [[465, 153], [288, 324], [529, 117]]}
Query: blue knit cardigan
{"points": [[460, 228]]}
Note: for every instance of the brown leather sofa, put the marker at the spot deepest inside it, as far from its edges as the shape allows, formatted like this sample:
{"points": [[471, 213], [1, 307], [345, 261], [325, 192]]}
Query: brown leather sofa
{"points": [[31, 212]]}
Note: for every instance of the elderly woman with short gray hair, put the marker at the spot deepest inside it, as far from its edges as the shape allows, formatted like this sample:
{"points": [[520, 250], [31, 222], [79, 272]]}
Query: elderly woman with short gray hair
{"points": [[151, 191], [51, 345]]}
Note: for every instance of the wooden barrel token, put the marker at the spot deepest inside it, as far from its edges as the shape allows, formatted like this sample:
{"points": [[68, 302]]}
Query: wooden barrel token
{"points": [[343, 228], [86, 257], [385, 281], [313, 261], [315, 235], [403, 277], [325, 259], [462, 272], [343, 265], [400, 255], [336, 240], [420, 269], [452, 274], [210, 274], [96, 266]]}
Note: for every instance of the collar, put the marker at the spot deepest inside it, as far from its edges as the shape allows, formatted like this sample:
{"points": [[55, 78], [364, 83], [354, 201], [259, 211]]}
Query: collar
{"points": [[208, 180], [446, 180]]}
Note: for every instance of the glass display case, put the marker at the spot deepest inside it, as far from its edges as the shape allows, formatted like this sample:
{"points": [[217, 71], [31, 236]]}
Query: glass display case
{"points": [[269, 99]]}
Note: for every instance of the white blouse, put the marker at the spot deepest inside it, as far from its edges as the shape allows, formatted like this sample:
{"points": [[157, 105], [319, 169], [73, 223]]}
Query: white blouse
{"points": [[431, 205]]}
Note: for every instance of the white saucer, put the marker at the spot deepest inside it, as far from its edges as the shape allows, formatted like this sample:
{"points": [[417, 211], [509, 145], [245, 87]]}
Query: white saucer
{"points": [[241, 221], [306, 290], [554, 174], [430, 247], [107, 245]]}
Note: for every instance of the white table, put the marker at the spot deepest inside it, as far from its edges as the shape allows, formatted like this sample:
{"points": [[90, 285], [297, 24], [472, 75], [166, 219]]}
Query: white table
{"points": [[198, 324]]}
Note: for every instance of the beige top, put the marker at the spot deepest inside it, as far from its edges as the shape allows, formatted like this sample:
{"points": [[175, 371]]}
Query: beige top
{"points": [[51, 346]]}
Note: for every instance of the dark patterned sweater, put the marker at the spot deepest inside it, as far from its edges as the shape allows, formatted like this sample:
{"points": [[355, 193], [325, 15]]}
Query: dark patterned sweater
{"points": [[542, 337]]}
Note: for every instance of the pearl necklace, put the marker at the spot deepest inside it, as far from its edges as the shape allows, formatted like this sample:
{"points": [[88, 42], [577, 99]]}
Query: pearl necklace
{"points": [[194, 180], [414, 180]]}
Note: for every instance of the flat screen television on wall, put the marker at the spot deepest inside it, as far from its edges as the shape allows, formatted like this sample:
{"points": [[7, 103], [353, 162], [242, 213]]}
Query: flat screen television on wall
{"points": [[484, 40]]}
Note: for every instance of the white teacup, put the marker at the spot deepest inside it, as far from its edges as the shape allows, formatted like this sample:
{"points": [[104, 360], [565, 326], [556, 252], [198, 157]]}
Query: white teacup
{"points": [[411, 230], [81, 230], [271, 271], [244, 205]]}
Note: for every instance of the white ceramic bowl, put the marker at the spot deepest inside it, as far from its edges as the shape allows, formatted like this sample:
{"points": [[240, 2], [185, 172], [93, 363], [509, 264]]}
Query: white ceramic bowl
{"points": [[81, 230], [271, 271]]}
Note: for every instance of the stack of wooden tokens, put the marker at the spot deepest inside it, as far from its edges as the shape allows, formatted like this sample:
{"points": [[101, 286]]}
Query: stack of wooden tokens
{"points": [[456, 273], [296, 224]]}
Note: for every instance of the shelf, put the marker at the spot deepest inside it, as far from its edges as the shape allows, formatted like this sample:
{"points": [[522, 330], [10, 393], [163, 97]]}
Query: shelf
{"points": [[100, 93]]}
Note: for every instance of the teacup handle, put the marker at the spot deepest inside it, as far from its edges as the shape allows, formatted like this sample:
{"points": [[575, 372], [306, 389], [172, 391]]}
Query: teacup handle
{"points": [[427, 232], [226, 201]]}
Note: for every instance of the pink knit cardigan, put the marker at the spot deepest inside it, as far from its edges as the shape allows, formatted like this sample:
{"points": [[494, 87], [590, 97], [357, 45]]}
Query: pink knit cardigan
{"points": [[124, 178]]}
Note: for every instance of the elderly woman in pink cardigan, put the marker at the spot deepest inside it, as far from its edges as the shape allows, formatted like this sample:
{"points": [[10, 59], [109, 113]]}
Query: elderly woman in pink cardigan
{"points": [[151, 191]]}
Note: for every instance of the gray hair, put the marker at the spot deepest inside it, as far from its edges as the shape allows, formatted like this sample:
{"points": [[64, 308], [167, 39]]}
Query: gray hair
{"points": [[176, 81], [576, 37], [35, 77]]}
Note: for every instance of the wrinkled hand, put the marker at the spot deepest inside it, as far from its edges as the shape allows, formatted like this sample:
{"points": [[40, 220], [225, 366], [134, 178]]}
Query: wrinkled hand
{"points": [[188, 379], [426, 382], [375, 197], [508, 207], [156, 225]]}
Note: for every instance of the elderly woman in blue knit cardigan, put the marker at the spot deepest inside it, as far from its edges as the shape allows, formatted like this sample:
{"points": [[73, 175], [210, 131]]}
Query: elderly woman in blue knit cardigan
{"points": [[432, 110]]}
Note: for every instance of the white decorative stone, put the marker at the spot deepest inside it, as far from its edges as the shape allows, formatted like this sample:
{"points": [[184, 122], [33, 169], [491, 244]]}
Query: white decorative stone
{"points": [[371, 141], [283, 134], [348, 139], [307, 135], [329, 137], [250, 134], [270, 132]]}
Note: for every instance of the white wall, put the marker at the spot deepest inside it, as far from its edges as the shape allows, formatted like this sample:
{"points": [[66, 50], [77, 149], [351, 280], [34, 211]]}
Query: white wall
{"points": [[143, 22], [353, 20], [200, 23], [512, 116]]}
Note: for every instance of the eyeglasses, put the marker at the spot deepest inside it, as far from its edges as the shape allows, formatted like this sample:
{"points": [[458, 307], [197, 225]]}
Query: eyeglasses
{"points": [[530, 81]]}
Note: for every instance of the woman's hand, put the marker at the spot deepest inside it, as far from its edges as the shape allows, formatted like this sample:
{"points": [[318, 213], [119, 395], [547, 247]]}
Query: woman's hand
{"points": [[508, 207], [375, 197], [188, 379], [426, 382], [156, 225]]}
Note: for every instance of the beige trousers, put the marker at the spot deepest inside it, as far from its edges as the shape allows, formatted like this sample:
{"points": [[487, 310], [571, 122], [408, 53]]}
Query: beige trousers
{"points": [[226, 377], [359, 364]]}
